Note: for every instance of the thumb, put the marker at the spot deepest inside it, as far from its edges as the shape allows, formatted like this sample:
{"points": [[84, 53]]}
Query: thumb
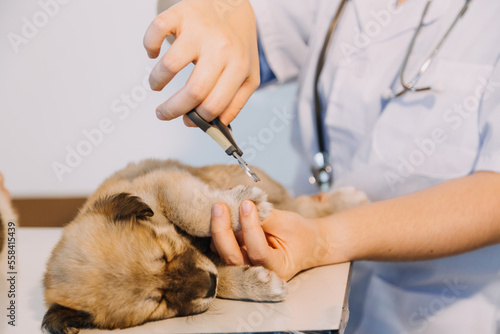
{"points": [[223, 238], [258, 250]]}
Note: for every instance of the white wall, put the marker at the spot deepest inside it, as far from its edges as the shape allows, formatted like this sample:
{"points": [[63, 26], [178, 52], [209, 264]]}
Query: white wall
{"points": [[68, 68]]}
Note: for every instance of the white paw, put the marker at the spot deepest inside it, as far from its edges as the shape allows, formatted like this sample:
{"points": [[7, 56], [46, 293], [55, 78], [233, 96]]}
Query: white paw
{"points": [[264, 285], [349, 197], [256, 195]]}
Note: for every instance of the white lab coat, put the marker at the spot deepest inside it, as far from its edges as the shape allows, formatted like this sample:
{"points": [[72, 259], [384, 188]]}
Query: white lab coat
{"points": [[391, 148]]}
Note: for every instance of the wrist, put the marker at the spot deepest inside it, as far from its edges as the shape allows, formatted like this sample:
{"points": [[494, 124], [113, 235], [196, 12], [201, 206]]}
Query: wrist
{"points": [[334, 244], [310, 246]]}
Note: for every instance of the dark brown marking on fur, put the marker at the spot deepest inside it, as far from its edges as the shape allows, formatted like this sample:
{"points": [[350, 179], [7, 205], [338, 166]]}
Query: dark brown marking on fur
{"points": [[180, 292], [63, 320], [201, 244], [123, 206]]}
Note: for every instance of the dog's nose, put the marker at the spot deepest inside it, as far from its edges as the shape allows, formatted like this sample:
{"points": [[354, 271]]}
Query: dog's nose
{"points": [[213, 286]]}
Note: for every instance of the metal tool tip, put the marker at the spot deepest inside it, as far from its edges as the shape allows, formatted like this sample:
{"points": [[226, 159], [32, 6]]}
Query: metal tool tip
{"points": [[246, 168], [254, 176]]}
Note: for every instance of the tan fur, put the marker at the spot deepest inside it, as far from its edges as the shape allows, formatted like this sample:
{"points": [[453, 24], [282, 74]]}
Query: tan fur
{"points": [[138, 250]]}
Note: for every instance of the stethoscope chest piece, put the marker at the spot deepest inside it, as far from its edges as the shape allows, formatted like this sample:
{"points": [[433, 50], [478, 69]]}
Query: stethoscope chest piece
{"points": [[322, 171]]}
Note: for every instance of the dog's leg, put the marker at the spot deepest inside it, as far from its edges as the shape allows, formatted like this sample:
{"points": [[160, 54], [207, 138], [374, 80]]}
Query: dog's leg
{"points": [[250, 283], [187, 202]]}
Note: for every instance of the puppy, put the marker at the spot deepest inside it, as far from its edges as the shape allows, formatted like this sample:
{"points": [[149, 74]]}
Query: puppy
{"points": [[138, 251]]}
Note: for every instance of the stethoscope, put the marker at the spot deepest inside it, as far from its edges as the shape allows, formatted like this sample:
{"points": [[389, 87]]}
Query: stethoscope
{"points": [[321, 167]]}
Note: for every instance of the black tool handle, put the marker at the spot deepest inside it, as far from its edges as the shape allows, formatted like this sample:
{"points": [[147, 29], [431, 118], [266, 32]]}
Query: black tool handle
{"points": [[218, 131], [198, 120]]}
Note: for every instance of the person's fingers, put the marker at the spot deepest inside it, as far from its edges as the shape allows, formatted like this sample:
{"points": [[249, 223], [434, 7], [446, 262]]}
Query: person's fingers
{"points": [[178, 56], [162, 26], [188, 122], [239, 237], [243, 249], [223, 236], [239, 100], [232, 110], [243, 94], [228, 84], [202, 80], [254, 237]]}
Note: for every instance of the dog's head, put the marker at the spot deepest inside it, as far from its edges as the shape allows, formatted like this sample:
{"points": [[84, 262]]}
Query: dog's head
{"points": [[119, 265]]}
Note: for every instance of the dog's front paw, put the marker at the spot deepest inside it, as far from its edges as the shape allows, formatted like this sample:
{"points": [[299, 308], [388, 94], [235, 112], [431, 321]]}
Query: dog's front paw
{"points": [[255, 195], [265, 285], [349, 197], [250, 283]]}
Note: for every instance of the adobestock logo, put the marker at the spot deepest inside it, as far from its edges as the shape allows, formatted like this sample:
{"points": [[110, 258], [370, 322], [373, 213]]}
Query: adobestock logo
{"points": [[93, 137], [30, 27], [226, 7], [453, 120], [420, 319], [379, 20]]}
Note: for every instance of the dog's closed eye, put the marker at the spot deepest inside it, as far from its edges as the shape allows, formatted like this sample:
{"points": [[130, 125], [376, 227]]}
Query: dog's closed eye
{"points": [[165, 259], [157, 298]]}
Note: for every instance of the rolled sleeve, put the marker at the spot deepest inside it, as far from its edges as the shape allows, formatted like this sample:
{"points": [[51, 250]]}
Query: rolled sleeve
{"points": [[489, 125], [284, 29], [266, 74]]}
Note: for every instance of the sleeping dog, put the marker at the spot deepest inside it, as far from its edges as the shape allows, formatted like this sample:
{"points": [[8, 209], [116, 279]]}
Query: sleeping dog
{"points": [[138, 250]]}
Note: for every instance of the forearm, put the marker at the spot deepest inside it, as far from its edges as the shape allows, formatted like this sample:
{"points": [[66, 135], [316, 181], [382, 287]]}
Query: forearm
{"points": [[451, 218]]}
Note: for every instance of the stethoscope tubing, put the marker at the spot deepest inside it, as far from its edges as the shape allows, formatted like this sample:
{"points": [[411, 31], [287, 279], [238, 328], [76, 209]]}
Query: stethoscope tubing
{"points": [[410, 86], [321, 168]]}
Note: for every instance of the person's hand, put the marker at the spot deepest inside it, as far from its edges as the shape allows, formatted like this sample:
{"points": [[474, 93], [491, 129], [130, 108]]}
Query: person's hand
{"points": [[220, 38], [286, 243]]}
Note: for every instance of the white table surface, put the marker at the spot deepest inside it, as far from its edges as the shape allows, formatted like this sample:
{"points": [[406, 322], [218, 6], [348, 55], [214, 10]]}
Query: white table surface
{"points": [[315, 301]]}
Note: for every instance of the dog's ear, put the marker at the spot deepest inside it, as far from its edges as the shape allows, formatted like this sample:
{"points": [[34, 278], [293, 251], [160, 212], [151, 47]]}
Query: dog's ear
{"points": [[64, 320], [123, 206]]}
